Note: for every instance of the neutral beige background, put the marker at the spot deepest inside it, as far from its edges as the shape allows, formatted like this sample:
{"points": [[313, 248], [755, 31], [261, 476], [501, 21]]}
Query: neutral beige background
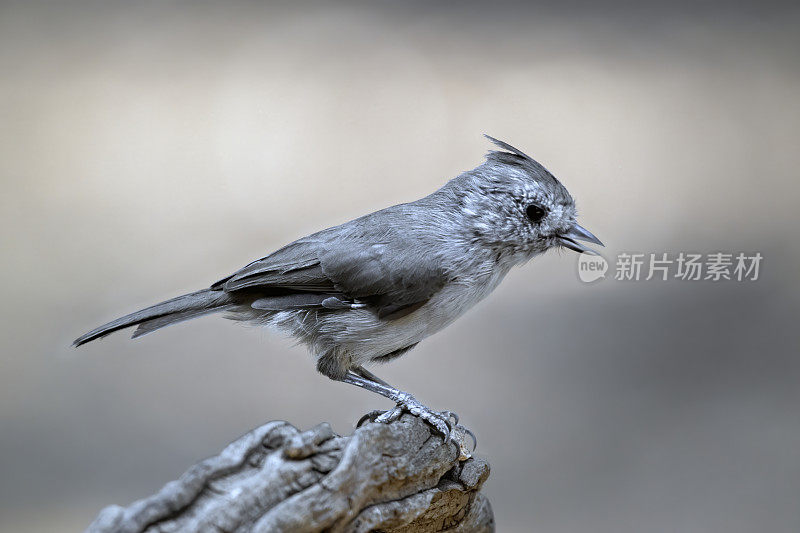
{"points": [[150, 148]]}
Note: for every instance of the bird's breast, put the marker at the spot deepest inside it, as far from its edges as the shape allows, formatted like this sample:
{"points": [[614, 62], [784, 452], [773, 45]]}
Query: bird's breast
{"points": [[379, 337], [456, 298]]}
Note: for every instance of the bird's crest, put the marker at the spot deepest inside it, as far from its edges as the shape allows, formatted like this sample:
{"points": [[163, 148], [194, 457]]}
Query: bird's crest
{"points": [[514, 156], [505, 146]]}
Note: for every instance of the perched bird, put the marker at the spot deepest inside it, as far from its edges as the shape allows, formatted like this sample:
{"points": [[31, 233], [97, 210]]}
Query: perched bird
{"points": [[371, 289]]}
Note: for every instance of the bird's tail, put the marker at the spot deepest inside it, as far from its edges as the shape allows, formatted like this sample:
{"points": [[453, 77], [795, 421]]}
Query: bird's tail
{"points": [[172, 311]]}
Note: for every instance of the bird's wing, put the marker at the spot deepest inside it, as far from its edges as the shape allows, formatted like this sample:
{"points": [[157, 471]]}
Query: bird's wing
{"points": [[375, 260], [296, 266]]}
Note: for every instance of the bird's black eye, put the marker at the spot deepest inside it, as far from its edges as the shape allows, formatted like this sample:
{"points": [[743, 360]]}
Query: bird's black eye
{"points": [[535, 213]]}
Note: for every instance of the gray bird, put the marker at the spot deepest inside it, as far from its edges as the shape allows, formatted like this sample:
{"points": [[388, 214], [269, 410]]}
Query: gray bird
{"points": [[371, 289]]}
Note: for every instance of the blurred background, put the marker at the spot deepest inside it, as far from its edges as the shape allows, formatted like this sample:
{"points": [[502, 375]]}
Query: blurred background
{"points": [[148, 149]]}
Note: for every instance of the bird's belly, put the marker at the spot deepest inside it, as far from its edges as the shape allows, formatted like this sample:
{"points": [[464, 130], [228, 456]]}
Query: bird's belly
{"points": [[379, 337]]}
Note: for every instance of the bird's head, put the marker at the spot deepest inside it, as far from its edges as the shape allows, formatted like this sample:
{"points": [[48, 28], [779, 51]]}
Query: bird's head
{"points": [[514, 206]]}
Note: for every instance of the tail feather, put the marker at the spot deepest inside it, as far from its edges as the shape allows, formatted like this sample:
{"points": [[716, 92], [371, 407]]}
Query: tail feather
{"points": [[163, 314], [149, 326]]}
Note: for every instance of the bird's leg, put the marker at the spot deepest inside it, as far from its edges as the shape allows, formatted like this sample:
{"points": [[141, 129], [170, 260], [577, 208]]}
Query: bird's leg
{"points": [[404, 400], [386, 416], [366, 374], [365, 379]]}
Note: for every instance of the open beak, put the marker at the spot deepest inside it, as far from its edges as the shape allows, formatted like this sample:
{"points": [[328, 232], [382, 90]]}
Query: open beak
{"points": [[569, 239]]}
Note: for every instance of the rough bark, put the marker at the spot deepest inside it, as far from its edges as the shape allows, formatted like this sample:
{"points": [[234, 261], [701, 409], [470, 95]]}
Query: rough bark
{"points": [[397, 477]]}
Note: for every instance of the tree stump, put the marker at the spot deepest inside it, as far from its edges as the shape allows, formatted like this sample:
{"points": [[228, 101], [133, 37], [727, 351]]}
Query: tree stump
{"points": [[398, 477]]}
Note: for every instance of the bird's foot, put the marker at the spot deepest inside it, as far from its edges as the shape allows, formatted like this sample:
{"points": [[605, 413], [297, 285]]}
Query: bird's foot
{"points": [[445, 422]]}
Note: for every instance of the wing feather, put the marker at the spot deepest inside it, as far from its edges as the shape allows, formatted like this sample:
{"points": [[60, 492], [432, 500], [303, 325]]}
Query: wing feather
{"points": [[381, 259]]}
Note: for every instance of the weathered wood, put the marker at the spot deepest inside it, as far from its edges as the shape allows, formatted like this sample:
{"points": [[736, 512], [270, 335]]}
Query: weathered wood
{"points": [[397, 477]]}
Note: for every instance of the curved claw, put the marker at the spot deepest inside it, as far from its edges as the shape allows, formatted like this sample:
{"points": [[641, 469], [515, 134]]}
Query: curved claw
{"points": [[371, 416], [449, 415], [445, 422], [364, 419], [472, 436]]}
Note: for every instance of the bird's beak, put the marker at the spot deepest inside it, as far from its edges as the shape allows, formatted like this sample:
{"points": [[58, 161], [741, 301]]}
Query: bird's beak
{"points": [[569, 239]]}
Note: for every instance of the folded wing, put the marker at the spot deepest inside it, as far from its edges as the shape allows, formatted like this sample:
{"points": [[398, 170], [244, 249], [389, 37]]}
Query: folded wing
{"points": [[378, 261]]}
